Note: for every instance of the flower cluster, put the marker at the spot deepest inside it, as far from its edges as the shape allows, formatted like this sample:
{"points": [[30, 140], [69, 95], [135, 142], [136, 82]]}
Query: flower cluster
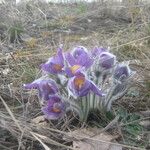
{"points": [[81, 80]]}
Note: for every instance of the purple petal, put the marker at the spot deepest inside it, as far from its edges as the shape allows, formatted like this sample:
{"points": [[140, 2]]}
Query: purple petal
{"points": [[59, 58], [122, 71], [50, 115], [55, 108], [85, 60], [78, 51], [53, 99], [76, 88], [84, 89], [97, 51], [45, 87], [74, 70], [96, 90], [55, 64], [107, 60], [70, 59], [69, 72], [52, 68], [79, 56], [31, 86]]}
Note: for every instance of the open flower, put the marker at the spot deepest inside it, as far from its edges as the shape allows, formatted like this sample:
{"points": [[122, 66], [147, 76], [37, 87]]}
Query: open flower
{"points": [[122, 72], [55, 64], [107, 60], [45, 87], [79, 86], [78, 59], [54, 108], [73, 70]]}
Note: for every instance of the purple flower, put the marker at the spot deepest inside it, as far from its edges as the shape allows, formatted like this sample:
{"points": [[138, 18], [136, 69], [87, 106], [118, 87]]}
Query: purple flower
{"points": [[80, 86], [54, 108], [97, 51], [73, 70], [55, 64], [107, 60], [78, 59], [45, 87], [122, 72]]}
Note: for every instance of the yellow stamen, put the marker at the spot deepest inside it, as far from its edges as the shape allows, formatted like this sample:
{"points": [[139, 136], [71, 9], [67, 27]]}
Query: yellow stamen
{"points": [[79, 82], [75, 68], [57, 110], [57, 67]]}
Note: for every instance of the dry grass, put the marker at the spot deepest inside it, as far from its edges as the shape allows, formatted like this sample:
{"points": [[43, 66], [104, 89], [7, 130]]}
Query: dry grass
{"points": [[124, 29]]}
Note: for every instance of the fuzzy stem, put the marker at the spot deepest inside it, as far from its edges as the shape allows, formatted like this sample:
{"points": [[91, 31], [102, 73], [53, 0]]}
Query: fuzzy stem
{"points": [[94, 96]]}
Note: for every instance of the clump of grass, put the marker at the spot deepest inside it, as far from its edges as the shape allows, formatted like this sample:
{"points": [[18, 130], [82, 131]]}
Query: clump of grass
{"points": [[129, 51], [73, 38], [54, 25], [3, 28], [81, 8], [60, 23], [147, 32], [31, 43], [29, 73], [15, 32], [132, 131]]}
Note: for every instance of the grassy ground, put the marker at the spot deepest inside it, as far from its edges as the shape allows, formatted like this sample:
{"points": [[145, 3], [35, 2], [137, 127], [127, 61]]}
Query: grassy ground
{"points": [[31, 32]]}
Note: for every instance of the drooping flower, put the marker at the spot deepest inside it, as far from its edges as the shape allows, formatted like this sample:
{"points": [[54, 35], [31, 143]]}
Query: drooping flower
{"points": [[78, 59], [107, 60], [122, 72], [45, 87], [79, 86], [55, 64], [97, 51], [120, 85], [55, 108]]}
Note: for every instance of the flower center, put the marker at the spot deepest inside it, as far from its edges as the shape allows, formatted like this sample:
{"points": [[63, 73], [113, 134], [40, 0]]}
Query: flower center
{"points": [[57, 67], [56, 108], [79, 82], [74, 68]]}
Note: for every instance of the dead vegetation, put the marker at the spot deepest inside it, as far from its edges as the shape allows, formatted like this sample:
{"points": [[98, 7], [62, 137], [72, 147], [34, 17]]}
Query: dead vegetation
{"points": [[29, 35]]}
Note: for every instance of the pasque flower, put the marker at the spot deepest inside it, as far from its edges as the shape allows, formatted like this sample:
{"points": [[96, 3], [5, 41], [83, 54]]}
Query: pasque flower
{"points": [[54, 108], [45, 87], [78, 73], [97, 51], [78, 59], [55, 64], [80, 86], [107, 60], [122, 72]]}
